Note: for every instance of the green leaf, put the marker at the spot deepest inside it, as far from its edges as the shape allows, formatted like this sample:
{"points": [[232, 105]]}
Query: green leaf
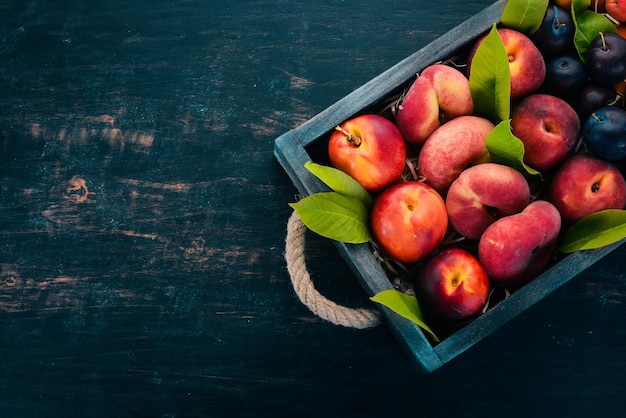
{"points": [[524, 15], [505, 148], [340, 182], [588, 26], [336, 216], [490, 79], [404, 305], [594, 231]]}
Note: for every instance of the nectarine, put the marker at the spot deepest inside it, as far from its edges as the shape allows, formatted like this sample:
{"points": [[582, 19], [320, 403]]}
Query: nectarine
{"points": [[409, 220], [585, 184], [370, 149], [548, 127], [452, 286], [526, 64]]}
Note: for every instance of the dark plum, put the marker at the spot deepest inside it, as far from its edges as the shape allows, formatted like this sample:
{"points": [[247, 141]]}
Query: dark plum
{"points": [[565, 76], [593, 97], [606, 58], [604, 133], [556, 33]]}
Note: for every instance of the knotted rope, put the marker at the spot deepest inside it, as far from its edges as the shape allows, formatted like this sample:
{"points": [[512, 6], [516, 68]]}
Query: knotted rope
{"points": [[305, 289]]}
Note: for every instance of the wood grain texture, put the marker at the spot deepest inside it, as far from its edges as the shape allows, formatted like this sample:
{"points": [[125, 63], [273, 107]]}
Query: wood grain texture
{"points": [[143, 217]]}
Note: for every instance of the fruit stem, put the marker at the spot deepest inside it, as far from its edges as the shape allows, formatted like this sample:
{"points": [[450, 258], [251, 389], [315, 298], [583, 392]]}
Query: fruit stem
{"points": [[604, 48], [353, 139], [593, 115], [615, 101]]}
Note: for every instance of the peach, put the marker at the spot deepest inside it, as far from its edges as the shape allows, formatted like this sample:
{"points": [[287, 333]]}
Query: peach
{"points": [[585, 184], [526, 64], [452, 286], [515, 248], [440, 93], [409, 220], [548, 127], [617, 9], [484, 193], [370, 149], [453, 147]]}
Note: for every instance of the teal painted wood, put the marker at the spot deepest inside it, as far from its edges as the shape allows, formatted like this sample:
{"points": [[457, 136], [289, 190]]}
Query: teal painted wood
{"points": [[290, 150]]}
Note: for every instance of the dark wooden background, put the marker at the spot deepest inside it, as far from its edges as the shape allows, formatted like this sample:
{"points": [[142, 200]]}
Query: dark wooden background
{"points": [[143, 216]]}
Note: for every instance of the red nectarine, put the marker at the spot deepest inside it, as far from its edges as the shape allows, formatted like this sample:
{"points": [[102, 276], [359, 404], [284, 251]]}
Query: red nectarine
{"points": [[409, 220], [585, 184], [452, 286], [370, 149]]}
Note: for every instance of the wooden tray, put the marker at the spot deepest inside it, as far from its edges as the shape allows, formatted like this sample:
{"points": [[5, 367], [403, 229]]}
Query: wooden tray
{"points": [[297, 146]]}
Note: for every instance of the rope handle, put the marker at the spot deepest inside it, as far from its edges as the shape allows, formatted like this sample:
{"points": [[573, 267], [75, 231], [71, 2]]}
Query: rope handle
{"points": [[317, 303]]}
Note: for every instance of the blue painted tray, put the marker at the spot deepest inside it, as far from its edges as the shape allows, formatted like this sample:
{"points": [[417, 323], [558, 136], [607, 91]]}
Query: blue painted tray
{"points": [[297, 146]]}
